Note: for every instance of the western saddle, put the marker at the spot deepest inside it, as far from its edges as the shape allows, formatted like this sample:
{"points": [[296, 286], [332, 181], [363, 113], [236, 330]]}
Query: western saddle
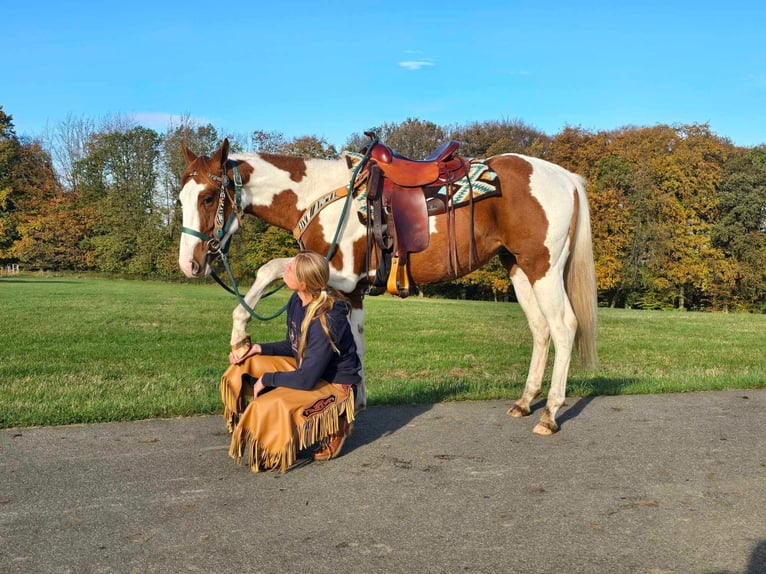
{"points": [[401, 194]]}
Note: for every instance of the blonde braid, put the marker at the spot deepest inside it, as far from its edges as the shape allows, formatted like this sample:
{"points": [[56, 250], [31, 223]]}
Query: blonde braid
{"points": [[314, 270]]}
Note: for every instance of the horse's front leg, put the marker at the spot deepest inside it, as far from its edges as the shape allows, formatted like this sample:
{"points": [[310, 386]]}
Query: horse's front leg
{"points": [[356, 319], [266, 275]]}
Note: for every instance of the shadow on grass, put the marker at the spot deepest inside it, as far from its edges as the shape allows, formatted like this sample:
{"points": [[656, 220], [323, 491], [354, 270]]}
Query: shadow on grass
{"points": [[36, 281], [602, 386]]}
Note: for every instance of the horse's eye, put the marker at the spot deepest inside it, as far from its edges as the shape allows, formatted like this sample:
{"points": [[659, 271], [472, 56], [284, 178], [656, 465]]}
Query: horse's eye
{"points": [[207, 201]]}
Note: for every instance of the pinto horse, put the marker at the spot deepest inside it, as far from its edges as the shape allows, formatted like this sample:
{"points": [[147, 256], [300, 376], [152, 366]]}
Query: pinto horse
{"points": [[539, 225]]}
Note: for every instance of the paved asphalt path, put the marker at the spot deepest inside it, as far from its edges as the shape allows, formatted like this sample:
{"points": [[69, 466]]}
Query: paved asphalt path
{"points": [[632, 484]]}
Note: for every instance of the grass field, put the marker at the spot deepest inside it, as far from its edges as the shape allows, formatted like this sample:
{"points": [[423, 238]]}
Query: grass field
{"points": [[89, 349]]}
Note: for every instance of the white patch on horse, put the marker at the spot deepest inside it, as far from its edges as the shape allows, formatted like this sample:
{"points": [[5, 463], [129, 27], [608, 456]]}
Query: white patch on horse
{"points": [[267, 176], [546, 182], [188, 198]]}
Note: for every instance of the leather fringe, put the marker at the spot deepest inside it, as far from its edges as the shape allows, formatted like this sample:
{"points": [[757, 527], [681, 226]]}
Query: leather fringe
{"points": [[315, 429]]}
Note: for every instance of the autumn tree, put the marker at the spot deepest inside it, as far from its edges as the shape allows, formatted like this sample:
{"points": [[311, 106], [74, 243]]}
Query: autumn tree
{"points": [[9, 153], [42, 229], [653, 200], [28, 192], [678, 214]]}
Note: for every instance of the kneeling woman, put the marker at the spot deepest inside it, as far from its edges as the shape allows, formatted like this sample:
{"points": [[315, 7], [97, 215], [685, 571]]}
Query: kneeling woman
{"points": [[302, 387]]}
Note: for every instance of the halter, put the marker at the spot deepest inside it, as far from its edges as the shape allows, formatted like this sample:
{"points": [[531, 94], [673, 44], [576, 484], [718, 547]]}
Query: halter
{"points": [[221, 228]]}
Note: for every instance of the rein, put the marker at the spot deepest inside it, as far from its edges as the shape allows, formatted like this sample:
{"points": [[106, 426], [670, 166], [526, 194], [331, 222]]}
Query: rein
{"points": [[349, 196], [216, 250]]}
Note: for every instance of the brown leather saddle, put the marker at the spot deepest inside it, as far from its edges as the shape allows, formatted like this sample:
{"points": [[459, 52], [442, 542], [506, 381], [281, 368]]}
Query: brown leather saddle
{"points": [[401, 194]]}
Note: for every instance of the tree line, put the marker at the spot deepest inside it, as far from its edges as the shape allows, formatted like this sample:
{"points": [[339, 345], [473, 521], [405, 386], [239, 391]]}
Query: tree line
{"points": [[678, 212]]}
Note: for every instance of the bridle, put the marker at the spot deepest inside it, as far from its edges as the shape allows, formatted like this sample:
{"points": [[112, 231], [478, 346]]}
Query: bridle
{"points": [[222, 226]]}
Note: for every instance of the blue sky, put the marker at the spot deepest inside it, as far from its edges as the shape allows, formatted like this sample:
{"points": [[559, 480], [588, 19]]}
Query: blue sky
{"points": [[331, 69]]}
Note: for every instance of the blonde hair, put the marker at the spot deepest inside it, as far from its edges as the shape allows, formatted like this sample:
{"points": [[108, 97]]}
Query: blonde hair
{"points": [[314, 270]]}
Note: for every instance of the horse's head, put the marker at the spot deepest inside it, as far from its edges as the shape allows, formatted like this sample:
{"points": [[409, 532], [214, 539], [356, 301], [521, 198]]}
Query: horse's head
{"points": [[209, 214]]}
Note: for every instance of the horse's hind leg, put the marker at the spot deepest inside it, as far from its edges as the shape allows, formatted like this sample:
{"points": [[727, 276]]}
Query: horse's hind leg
{"points": [[540, 343], [562, 323]]}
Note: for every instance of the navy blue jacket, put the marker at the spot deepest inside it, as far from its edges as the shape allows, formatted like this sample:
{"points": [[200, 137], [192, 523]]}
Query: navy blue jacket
{"points": [[320, 361]]}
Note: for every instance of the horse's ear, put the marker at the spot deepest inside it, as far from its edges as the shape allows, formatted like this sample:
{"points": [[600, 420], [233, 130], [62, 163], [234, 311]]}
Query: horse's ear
{"points": [[188, 154], [220, 156]]}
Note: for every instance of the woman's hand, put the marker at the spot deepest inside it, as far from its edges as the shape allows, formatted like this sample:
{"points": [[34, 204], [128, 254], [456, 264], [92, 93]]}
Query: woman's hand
{"points": [[237, 356]]}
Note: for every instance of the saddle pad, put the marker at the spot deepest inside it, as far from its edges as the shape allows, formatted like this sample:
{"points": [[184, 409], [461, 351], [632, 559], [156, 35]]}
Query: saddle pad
{"points": [[483, 183]]}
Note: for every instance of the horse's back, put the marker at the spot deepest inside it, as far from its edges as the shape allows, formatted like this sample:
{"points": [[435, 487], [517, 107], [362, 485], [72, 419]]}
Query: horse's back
{"points": [[535, 188]]}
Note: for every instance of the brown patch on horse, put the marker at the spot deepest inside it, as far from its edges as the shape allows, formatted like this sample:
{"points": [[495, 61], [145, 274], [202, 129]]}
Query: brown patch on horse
{"points": [[295, 166], [199, 171], [527, 224], [521, 230], [284, 204]]}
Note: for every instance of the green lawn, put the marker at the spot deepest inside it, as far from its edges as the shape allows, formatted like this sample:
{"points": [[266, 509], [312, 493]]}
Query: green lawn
{"points": [[91, 349]]}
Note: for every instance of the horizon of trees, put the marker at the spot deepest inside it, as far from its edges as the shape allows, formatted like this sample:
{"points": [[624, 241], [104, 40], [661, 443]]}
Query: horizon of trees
{"points": [[678, 212]]}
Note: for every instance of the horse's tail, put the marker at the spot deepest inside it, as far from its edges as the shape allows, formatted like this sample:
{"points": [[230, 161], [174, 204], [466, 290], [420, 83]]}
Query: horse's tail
{"points": [[580, 280]]}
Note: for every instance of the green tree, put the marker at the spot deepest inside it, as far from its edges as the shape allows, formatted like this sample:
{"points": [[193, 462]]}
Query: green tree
{"points": [[485, 139], [309, 146], [118, 181], [172, 163], [741, 230], [413, 138]]}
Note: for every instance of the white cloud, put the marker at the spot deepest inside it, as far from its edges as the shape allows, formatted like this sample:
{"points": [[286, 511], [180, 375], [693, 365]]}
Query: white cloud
{"points": [[415, 64]]}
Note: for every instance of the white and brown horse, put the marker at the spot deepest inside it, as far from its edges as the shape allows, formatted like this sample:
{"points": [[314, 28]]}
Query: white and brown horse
{"points": [[539, 225]]}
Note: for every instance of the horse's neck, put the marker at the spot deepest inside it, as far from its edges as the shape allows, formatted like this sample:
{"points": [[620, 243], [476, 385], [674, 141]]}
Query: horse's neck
{"points": [[281, 188]]}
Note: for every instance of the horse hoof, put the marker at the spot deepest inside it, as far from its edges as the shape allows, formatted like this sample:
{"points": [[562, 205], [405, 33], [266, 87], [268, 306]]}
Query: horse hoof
{"points": [[545, 428], [517, 411]]}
